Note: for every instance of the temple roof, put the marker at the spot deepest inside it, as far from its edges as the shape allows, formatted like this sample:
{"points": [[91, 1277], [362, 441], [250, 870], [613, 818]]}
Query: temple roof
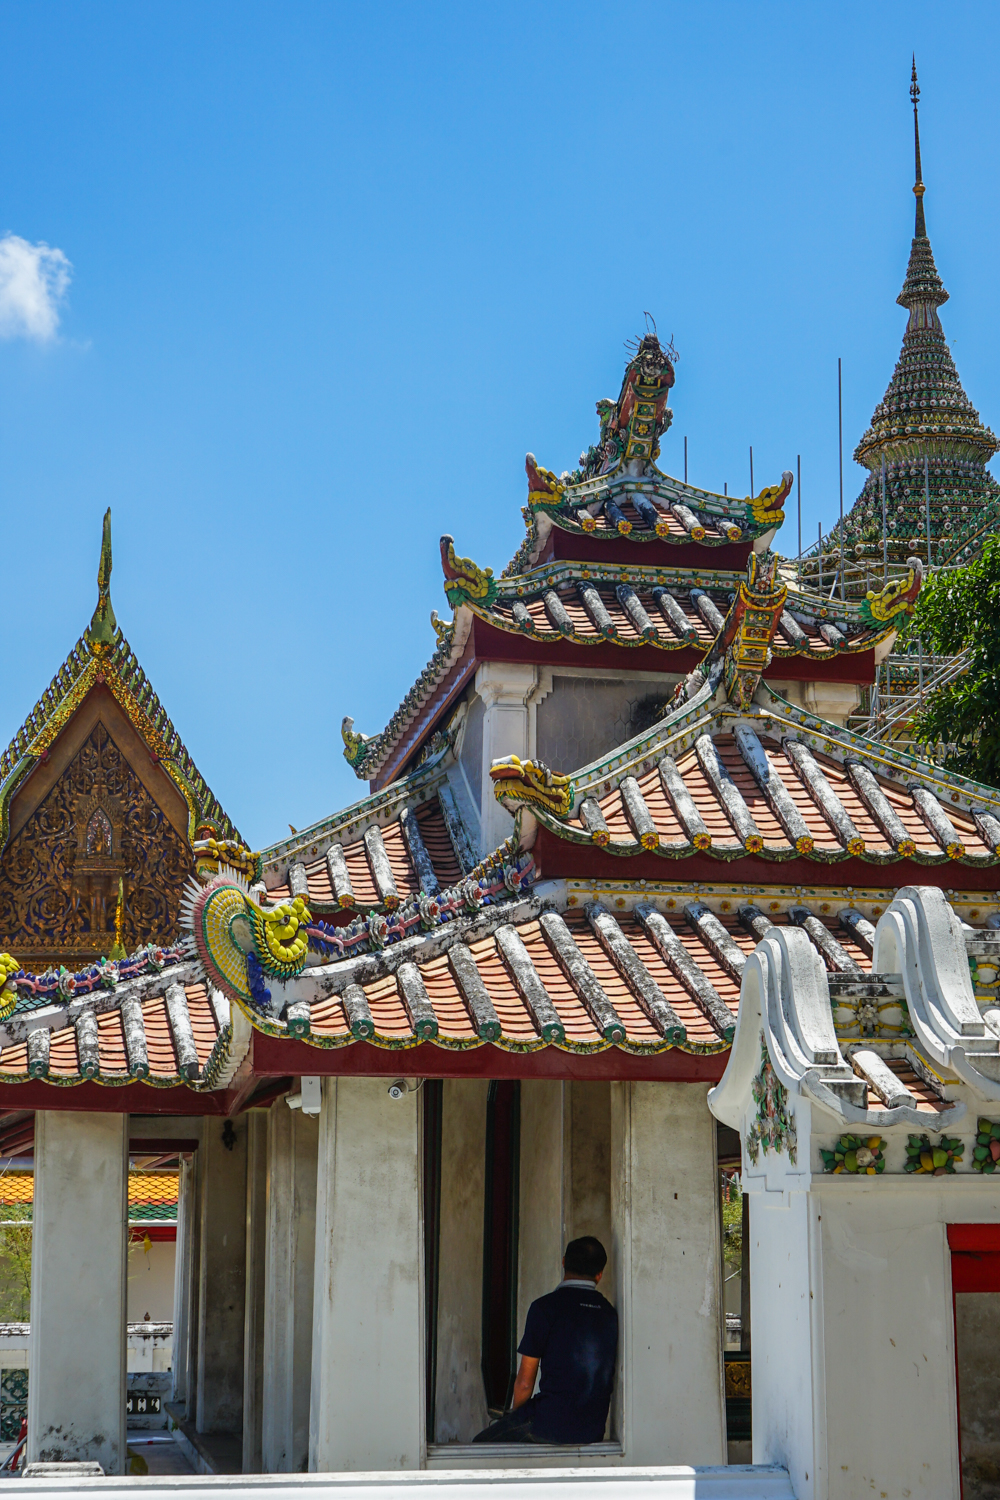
{"points": [[634, 970], [103, 657], [151, 1019], [926, 433], [380, 852], [618, 492], [616, 497], [762, 781], [152, 1196], [671, 609]]}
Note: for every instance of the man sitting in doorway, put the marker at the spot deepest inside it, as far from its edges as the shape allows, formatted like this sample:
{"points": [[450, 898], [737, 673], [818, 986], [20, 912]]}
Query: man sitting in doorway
{"points": [[573, 1334]]}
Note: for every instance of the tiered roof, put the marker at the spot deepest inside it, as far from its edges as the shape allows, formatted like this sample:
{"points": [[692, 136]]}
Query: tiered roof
{"points": [[581, 582], [924, 424]]}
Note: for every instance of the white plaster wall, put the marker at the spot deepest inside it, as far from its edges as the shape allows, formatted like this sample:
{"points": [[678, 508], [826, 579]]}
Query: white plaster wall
{"points": [[587, 1205], [367, 1408], [253, 1302], [151, 1281], [76, 1394], [888, 1312], [460, 1404], [786, 1326], [669, 1407], [540, 1215]]}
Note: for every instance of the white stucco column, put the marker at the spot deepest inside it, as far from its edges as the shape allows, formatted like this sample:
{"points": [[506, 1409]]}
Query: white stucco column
{"points": [[460, 1404], [508, 691], [186, 1213], [76, 1391], [253, 1314], [669, 1395], [292, 1143], [222, 1174], [367, 1407]]}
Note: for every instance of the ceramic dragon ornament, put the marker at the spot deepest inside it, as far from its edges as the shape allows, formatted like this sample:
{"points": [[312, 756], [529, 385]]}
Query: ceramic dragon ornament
{"points": [[240, 942], [517, 781], [897, 597]]}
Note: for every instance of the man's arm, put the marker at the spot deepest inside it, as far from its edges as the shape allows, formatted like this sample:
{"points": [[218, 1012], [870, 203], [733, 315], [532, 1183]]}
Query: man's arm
{"points": [[524, 1381]]}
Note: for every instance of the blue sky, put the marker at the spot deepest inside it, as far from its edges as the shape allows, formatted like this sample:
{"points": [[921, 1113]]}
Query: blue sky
{"points": [[332, 269]]}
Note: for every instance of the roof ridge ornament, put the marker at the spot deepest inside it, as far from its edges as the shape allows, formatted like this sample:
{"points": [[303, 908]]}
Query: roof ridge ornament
{"points": [[899, 595], [101, 631]]}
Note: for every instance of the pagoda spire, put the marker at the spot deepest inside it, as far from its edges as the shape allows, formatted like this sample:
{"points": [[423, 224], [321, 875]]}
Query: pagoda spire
{"points": [[925, 435], [101, 630], [923, 290], [919, 228]]}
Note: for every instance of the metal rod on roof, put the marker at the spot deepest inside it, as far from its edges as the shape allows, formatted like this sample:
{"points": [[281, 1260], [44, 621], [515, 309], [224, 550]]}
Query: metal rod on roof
{"points": [[885, 528], [819, 554], [840, 449], [685, 460], [751, 471], [725, 489], [798, 491], [927, 503]]}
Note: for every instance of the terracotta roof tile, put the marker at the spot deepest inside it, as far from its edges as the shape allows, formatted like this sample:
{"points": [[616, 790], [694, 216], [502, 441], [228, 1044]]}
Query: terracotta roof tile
{"points": [[922, 1092], [603, 782]]}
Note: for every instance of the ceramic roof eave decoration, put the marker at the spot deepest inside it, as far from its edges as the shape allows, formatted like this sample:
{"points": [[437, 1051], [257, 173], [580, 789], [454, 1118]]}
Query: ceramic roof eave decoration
{"points": [[102, 656], [671, 609], [366, 754], [149, 1019], [637, 968]]}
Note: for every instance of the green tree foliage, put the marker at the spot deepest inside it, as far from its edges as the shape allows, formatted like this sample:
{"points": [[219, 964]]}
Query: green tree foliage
{"points": [[15, 1263], [732, 1223], [956, 610]]}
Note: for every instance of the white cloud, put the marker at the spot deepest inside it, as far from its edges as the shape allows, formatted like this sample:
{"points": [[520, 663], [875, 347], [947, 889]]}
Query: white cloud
{"points": [[33, 282]]}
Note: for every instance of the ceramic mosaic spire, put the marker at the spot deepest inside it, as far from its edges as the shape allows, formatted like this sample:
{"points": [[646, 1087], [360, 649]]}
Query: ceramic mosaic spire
{"points": [[924, 414]]}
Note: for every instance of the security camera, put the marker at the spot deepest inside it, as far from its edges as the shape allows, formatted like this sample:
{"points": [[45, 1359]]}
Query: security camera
{"points": [[404, 1086]]}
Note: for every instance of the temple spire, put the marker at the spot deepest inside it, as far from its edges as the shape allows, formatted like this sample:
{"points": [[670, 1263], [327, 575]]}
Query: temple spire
{"points": [[920, 228], [101, 631]]}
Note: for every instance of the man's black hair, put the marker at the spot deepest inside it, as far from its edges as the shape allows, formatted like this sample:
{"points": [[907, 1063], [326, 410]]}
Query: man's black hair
{"points": [[585, 1257]]}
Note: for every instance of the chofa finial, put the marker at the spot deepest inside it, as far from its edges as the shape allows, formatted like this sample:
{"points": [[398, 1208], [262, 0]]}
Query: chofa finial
{"points": [[101, 631]]}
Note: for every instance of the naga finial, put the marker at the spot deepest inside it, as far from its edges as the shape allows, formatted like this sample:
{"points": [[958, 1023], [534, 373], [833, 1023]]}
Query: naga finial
{"points": [[518, 781], [897, 597], [354, 743], [101, 631]]}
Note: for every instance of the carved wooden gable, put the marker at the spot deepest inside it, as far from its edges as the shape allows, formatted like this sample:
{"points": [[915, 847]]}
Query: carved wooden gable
{"points": [[99, 803], [59, 875]]}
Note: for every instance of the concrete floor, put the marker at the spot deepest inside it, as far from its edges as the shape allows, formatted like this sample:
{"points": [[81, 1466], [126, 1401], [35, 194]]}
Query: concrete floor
{"points": [[161, 1453]]}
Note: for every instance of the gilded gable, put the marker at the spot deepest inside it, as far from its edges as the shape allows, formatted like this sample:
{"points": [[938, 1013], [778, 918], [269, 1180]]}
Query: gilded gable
{"points": [[60, 873]]}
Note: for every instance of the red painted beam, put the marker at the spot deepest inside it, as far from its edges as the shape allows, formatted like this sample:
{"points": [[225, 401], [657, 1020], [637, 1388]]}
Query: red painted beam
{"points": [[857, 668], [571, 546], [130, 1099], [273, 1055]]}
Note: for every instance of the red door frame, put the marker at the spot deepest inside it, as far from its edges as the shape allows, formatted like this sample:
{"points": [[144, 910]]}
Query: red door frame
{"points": [[975, 1267]]}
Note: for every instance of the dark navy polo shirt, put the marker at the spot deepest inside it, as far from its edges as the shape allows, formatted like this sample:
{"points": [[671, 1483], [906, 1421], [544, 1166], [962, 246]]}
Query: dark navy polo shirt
{"points": [[574, 1332]]}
